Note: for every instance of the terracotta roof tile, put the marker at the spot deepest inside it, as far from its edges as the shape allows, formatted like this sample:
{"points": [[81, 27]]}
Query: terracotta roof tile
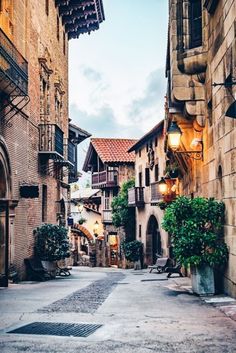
{"points": [[114, 150]]}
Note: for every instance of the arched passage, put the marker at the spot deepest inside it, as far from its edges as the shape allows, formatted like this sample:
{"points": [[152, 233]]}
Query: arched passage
{"points": [[153, 241], [83, 244]]}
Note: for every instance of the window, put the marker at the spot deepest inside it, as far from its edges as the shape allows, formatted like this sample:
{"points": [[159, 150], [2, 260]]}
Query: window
{"points": [[140, 231], [156, 141], [140, 179], [195, 17], [58, 29], [1, 7], [147, 147], [139, 152], [47, 7], [64, 43], [156, 172], [44, 203], [107, 200], [147, 176]]}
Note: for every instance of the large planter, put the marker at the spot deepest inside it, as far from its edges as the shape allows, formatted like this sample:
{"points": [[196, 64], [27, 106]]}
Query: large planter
{"points": [[203, 280], [50, 267]]}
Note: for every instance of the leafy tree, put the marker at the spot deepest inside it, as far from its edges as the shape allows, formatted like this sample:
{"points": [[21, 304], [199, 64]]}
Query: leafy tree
{"points": [[51, 242], [122, 214], [196, 229]]}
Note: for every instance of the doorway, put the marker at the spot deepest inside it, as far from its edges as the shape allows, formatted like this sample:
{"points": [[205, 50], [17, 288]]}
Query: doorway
{"points": [[153, 241]]}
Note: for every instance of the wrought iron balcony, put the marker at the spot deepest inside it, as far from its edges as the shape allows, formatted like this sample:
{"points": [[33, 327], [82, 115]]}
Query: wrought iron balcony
{"points": [[107, 216], [136, 197], [156, 196], [106, 178], [51, 141], [13, 68]]}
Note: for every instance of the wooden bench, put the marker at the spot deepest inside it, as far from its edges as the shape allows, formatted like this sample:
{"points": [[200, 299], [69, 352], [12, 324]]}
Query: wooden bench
{"points": [[160, 265], [175, 269], [35, 270]]}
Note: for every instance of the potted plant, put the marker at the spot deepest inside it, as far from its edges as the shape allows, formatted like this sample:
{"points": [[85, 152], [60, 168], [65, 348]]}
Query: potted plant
{"points": [[133, 252], [196, 230], [51, 244], [172, 169]]}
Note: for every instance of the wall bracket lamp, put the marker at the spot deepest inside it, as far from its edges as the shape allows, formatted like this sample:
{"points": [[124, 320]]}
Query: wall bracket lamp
{"points": [[174, 136]]}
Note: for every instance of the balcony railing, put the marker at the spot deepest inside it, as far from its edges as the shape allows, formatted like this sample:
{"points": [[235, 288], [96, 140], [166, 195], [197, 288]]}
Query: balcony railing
{"points": [[51, 140], [106, 178], [156, 196], [136, 197], [13, 67], [107, 216]]}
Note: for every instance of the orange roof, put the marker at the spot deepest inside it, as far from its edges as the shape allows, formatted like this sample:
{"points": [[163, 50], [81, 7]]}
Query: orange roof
{"points": [[114, 150]]}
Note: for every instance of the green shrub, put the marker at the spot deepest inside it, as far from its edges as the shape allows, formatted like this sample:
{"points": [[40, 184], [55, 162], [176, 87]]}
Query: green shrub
{"points": [[133, 250], [196, 230], [51, 242]]}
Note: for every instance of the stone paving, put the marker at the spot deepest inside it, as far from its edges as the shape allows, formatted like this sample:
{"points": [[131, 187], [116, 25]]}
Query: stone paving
{"points": [[155, 315]]}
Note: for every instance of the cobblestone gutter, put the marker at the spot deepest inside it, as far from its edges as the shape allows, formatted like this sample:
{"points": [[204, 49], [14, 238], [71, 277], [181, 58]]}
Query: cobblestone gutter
{"points": [[88, 299]]}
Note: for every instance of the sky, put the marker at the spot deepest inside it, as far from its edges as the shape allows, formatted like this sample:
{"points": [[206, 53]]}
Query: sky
{"points": [[117, 78]]}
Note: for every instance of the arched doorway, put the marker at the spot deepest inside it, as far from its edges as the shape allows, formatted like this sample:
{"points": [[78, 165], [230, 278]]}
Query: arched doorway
{"points": [[5, 193], [83, 245], [153, 241]]}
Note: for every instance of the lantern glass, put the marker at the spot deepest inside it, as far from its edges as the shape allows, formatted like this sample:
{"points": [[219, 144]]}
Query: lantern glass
{"points": [[80, 207], [162, 186], [174, 136], [95, 227]]}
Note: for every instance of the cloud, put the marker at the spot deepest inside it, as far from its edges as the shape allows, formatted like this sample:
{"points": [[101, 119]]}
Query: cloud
{"points": [[150, 104], [91, 74], [102, 123]]}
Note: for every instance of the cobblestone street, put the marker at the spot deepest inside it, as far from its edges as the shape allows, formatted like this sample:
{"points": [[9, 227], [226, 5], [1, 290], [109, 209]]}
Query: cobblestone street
{"points": [[135, 311]]}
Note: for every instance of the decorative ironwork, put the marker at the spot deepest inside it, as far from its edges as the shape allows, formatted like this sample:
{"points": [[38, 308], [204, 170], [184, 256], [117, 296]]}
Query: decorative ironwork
{"points": [[13, 81]]}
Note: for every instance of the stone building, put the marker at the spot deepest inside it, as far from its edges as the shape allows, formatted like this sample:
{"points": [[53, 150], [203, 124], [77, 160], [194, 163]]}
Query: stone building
{"points": [[37, 151], [110, 164], [201, 71], [150, 168]]}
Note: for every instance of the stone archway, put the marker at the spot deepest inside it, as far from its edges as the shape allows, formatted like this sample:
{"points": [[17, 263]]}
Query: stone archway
{"points": [[153, 241], [79, 232]]}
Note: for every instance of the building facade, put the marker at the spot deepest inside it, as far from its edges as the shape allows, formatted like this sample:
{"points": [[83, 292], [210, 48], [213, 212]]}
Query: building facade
{"points": [[201, 71], [110, 165], [37, 147], [150, 168]]}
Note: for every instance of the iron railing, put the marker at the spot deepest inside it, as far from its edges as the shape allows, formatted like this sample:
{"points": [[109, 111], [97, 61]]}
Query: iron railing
{"points": [[13, 65], [51, 139], [136, 197]]}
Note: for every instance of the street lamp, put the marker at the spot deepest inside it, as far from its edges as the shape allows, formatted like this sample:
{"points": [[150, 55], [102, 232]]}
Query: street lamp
{"points": [[174, 137], [95, 228]]}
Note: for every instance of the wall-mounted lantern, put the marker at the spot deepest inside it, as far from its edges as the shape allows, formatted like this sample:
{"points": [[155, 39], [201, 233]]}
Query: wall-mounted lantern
{"points": [[174, 138], [80, 207], [95, 228], [162, 186]]}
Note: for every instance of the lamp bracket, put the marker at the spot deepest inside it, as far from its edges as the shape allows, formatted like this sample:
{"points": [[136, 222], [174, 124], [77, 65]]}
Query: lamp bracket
{"points": [[197, 155]]}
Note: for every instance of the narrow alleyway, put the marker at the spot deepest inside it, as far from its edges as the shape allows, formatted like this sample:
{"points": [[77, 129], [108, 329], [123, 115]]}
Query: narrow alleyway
{"points": [[134, 311]]}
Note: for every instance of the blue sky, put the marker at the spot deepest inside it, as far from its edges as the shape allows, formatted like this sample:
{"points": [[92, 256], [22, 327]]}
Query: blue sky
{"points": [[117, 74]]}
